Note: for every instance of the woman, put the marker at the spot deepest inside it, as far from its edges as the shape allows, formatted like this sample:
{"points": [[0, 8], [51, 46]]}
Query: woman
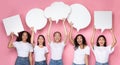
{"points": [[82, 51], [101, 50], [40, 50], [23, 47]]}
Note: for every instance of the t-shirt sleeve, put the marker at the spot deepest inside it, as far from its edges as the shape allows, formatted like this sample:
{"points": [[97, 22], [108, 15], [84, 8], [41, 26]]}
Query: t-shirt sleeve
{"points": [[94, 47], [31, 48], [51, 43], [87, 50], [14, 44], [63, 43], [46, 50], [110, 49]]}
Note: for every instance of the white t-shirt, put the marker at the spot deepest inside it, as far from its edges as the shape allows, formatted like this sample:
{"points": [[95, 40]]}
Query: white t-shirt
{"points": [[79, 55], [57, 50], [23, 49], [102, 53], [40, 53]]}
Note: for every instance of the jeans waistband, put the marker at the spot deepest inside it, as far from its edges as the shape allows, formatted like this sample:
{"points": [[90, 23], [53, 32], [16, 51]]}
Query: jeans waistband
{"points": [[102, 63], [57, 60]]}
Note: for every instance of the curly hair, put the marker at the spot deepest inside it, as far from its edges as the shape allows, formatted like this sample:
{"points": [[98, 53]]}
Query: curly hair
{"points": [[83, 41], [19, 38]]}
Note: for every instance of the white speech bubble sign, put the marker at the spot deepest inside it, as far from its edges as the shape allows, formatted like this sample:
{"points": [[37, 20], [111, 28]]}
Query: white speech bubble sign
{"points": [[80, 16], [57, 10], [103, 20], [13, 24], [35, 18]]}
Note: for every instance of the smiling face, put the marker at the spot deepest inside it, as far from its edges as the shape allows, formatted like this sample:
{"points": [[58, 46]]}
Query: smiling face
{"points": [[24, 36], [57, 36], [40, 40], [79, 40], [101, 41]]}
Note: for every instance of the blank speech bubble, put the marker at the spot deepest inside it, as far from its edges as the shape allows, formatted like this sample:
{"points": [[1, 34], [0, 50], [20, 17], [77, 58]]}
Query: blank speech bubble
{"points": [[35, 18], [103, 20], [13, 24], [57, 10], [80, 16]]}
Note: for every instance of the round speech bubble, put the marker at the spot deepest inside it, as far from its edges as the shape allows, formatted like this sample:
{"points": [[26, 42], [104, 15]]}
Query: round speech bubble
{"points": [[80, 16], [57, 10], [35, 18]]}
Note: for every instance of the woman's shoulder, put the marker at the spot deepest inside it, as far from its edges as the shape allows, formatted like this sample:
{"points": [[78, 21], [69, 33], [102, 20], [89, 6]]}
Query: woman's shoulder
{"points": [[86, 47]]}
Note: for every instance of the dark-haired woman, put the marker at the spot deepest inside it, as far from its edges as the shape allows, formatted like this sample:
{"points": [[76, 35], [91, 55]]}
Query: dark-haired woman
{"points": [[23, 47], [40, 50], [82, 51], [101, 50]]}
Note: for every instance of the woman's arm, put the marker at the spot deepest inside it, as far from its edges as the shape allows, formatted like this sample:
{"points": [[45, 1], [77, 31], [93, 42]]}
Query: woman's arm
{"points": [[30, 58], [46, 56], [92, 38], [48, 33], [86, 59], [10, 44], [32, 36], [70, 34], [65, 30], [114, 39]]}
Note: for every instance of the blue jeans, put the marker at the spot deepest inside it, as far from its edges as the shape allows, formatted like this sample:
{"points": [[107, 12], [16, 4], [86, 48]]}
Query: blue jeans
{"points": [[77, 64], [56, 62], [22, 61], [41, 63], [97, 63]]}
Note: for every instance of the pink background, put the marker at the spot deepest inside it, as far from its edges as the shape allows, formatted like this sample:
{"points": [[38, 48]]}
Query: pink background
{"points": [[13, 7]]}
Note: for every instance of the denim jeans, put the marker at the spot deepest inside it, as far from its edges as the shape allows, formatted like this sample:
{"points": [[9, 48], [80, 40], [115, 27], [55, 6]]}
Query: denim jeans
{"points": [[22, 61], [77, 64], [41, 63], [97, 63], [56, 62]]}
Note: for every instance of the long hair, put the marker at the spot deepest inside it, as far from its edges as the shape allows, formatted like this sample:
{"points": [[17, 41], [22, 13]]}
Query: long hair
{"points": [[105, 44], [19, 38], [43, 39], [83, 41]]}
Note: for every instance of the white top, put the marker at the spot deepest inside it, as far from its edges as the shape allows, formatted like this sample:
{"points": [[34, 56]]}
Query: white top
{"points": [[40, 53], [23, 49], [102, 53], [57, 50], [79, 55]]}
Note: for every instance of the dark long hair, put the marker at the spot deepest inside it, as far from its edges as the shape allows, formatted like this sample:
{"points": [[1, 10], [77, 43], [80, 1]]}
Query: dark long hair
{"points": [[19, 38], [43, 39], [83, 41], [105, 44]]}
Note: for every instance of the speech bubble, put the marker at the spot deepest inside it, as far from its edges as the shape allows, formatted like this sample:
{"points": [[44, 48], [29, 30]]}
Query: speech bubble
{"points": [[103, 20], [80, 16], [57, 10], [35, 18], [13, 24]]}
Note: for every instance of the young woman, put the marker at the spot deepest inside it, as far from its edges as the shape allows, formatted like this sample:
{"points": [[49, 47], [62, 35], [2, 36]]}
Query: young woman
{"points": [[57, 45], [40, 50], [23, 47], [82, 51], [101, 50]]}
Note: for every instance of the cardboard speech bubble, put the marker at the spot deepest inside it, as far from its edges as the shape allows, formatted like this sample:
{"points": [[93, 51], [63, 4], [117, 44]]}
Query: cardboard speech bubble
{"points": [[35, 18], [57, 10], [80, 16], [13, 24], [103, 20]]}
